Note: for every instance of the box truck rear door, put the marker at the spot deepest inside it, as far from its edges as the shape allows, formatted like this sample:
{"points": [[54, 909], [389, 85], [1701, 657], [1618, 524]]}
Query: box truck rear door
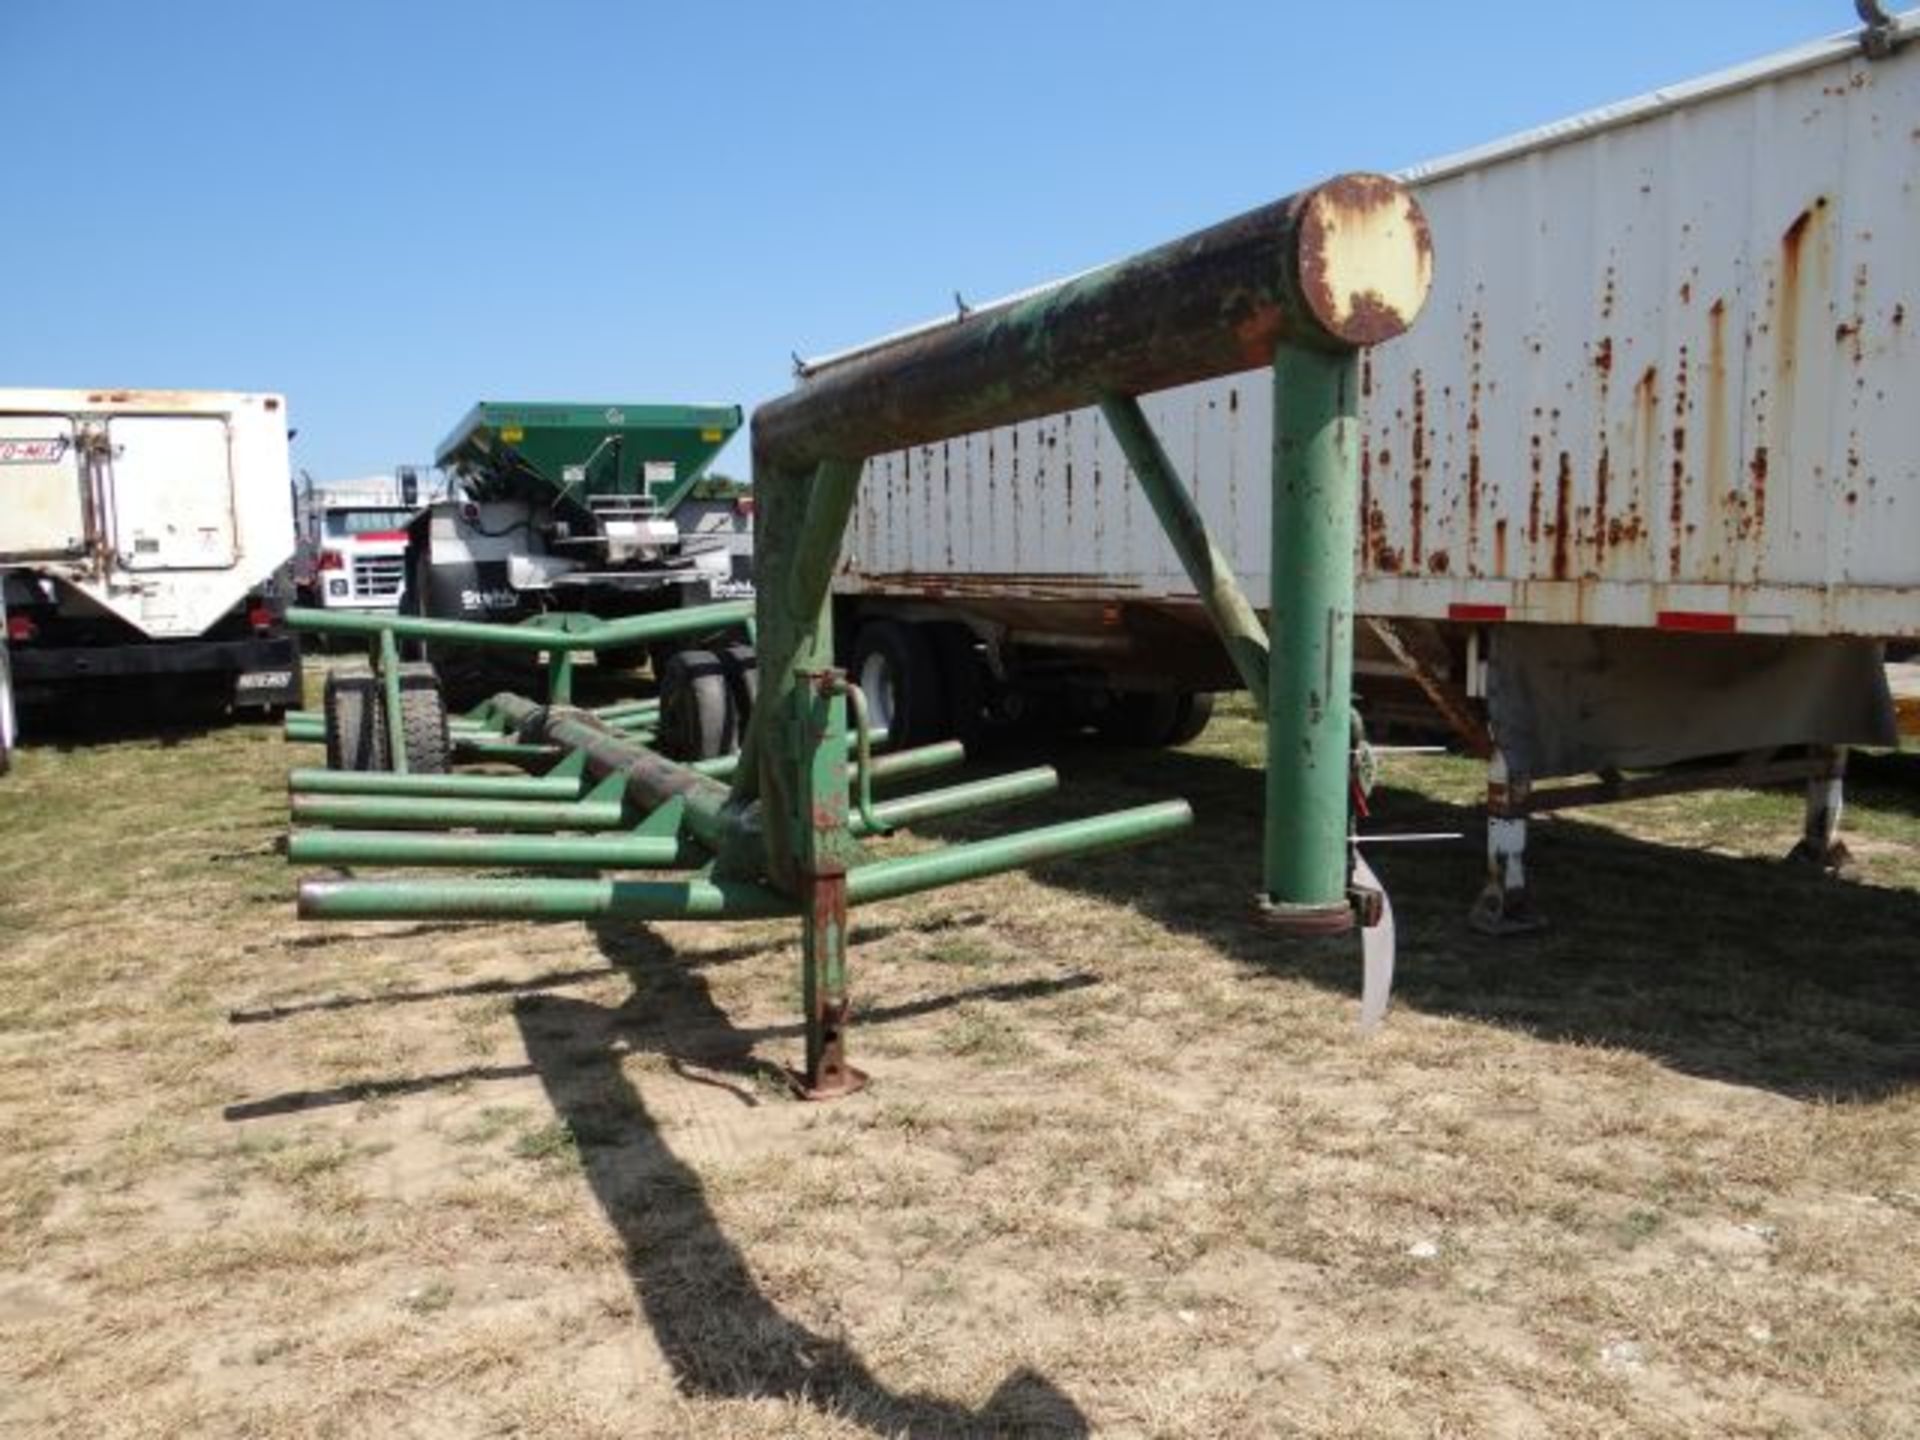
{"points": [[172, 492], [43, 510]]}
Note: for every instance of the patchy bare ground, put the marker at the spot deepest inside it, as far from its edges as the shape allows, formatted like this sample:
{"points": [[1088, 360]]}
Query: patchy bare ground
{"points": [[1123, 1168]]}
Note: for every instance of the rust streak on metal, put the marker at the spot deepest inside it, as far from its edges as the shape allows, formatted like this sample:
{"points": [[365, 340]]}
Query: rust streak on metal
{"points": [[1722, 497], [1563, 518], [1677, 498], [1534, 496], [1417, 484], [1500, 546]]}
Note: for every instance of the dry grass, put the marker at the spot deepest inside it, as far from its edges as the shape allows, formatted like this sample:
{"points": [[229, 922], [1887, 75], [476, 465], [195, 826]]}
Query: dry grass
{"points": [[1123, 1167]]}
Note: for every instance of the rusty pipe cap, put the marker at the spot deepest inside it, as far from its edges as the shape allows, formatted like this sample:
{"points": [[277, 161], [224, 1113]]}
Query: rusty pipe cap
{"points": [[1365, 257]]}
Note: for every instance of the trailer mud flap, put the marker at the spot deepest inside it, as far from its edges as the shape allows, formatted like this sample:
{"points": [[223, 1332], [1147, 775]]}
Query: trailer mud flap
{"points": [[1376, 946]]}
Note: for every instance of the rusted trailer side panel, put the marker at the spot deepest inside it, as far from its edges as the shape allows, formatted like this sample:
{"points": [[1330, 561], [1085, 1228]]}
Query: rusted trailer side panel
{"points": [[1665, 379]]}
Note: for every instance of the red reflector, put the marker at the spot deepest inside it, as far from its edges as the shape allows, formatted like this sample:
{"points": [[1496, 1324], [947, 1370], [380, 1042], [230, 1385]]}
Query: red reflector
{"points": [[260, 617], [332, 560], [1696, 620], [1459, 611], [19, 628], [399, 535]]}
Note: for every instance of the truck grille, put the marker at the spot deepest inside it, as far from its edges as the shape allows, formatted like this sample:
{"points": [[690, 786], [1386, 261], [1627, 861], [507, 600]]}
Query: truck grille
{"points": [[378, 575]]}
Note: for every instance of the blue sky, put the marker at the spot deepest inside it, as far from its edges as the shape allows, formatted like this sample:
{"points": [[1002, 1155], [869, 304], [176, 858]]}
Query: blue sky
{"points": [[391, 210]]}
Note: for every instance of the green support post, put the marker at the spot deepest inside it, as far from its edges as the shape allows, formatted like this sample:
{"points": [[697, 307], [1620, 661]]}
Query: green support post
{"points": [[396, 722], [560, 677], [1206, 564], [1316, 499], [824, 848]]}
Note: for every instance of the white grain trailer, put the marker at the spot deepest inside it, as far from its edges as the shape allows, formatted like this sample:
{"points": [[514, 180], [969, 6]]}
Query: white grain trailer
{"points": [[1641, 486], [139, 535]]}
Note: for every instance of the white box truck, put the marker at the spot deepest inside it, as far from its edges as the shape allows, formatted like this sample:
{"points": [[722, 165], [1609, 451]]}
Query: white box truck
{"points": [[140, 533], [1642, 484]]}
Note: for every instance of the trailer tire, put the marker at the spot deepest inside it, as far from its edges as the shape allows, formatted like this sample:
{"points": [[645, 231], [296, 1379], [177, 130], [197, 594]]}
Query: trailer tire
{"points": [[894, 665], [963, 675], [423, 720], [1195, 711], [1155, 718], [355, 720], [697, 714], [743, 683]]}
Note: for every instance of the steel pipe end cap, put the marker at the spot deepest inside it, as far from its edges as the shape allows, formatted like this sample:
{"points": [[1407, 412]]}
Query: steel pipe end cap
{"points": [[1365, 257]]}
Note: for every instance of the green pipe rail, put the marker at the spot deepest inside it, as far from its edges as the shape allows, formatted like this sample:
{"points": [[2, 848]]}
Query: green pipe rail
{"points": [[781, 829]]}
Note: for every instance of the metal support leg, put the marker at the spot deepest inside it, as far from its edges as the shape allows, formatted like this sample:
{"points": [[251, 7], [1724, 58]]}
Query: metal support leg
{"points": [[1820, 842], [819, 707], [560, 677], [1316, 488], [1504, 906], [1206, 564], [396, 720]]}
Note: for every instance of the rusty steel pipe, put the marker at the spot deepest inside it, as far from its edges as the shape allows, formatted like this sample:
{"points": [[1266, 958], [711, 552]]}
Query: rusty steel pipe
{"points": [[1345, 264]]}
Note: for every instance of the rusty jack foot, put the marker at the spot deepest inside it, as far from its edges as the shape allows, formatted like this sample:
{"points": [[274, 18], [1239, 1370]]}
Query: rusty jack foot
{"points": [[830, 1077]]}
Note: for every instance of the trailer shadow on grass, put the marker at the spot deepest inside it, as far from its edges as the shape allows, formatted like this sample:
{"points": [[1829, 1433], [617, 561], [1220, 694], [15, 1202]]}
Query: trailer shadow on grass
{"points": [[723, 1336], [1751, 971]]}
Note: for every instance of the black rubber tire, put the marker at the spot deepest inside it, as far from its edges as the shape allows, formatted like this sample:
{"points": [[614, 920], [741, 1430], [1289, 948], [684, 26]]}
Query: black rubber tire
{"points": [[743, 683], [1141, 717], [698, 720], [1196, 711], [423, 720], [898, 659], [355, 721], [963, 675]]}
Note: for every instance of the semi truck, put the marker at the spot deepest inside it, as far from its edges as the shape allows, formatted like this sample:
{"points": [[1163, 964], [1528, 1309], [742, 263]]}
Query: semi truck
{"points": [[140, 536], [569, 508], [1642, 486]]}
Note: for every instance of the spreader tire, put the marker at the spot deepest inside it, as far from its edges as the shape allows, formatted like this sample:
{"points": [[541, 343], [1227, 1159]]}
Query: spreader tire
{"points": [[423, 720], [698, 717], [355, 719]]}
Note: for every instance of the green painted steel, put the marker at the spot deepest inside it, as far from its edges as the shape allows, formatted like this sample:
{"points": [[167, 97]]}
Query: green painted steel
{"points": [[720, 767], [649, 779], [561, 899], [953, 799], [555, 899], [1207, 565], [431, 813], [579, 852], [632, 630], [396, 717], [953, 864], [560, 678], [512, 449], [1316, 502], [920, 760], [799, 539], [316, 781]]}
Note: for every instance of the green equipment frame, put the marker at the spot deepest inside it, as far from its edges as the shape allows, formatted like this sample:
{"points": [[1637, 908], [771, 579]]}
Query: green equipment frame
{"points": [[1302, 285]]}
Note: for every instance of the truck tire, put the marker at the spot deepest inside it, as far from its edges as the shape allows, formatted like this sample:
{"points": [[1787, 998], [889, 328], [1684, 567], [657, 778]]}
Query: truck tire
{"points": [[963, 675], [894, 664], [743, 683], [7, 716], [1156, 718], [355, 721], [423, 720], [697, 714], [1196, 712]]}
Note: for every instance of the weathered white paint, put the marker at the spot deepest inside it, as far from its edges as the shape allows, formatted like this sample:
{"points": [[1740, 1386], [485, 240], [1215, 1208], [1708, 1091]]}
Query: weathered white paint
{"points": [[1668, 365], [166, 507]]}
